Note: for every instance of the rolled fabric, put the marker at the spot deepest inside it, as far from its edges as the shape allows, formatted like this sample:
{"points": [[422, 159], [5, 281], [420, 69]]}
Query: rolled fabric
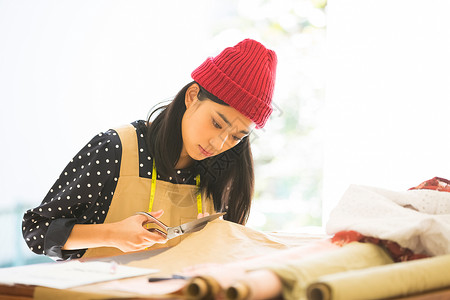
{"points": [[257, 284], [201, 288], [394, 280], [237, 291], [296, 276]]}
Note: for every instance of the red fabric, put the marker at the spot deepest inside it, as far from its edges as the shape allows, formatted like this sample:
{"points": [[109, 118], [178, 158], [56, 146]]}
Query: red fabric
{"points": [[243, 76], [436, 183], [397, 252]]}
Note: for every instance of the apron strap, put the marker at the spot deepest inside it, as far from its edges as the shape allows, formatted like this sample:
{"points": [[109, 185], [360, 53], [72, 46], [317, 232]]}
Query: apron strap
{"points": [[130, 153]]}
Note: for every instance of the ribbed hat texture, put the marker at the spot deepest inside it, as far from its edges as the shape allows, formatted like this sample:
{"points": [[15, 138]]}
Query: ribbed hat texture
{"points": [[243, 76]]}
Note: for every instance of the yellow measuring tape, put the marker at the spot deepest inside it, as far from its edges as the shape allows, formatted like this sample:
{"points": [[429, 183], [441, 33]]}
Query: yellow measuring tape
{"points": [[199, 195], [153, 188], [152, 191]]}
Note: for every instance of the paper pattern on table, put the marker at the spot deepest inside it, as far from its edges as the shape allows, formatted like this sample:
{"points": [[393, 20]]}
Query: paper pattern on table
{"points": [[62, 275]]}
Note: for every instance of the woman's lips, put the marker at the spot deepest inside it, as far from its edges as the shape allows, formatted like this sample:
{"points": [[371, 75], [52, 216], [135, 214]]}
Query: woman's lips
{"points": [[204, 152]]}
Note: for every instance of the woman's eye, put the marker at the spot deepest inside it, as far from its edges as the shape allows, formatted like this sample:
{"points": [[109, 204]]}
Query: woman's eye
{"points": [[236, 138], [217, 125]]}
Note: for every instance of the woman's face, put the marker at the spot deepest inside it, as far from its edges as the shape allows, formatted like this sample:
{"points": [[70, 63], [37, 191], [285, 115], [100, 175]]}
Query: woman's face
{"points": [[209, 128]]}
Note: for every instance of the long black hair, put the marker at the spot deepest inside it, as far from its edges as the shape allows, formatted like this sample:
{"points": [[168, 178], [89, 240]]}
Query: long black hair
{"points": [[227, 178]]}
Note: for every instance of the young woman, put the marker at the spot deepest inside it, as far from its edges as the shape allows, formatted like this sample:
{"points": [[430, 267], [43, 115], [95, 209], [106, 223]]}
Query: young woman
{"points": [[190, 158]]}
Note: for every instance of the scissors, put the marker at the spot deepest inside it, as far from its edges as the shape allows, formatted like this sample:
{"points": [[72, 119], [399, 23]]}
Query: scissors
{"points": [[172, 232]]}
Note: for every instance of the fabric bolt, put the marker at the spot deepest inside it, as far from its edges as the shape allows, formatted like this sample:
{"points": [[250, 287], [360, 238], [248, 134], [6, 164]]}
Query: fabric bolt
{"points": [[231, 272], [83, 192], [296, 276], [383, 282], [415, 219], [243, 76]]}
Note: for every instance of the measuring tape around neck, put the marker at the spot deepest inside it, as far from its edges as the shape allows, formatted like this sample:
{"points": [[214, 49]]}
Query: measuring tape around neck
{"points": [[153, 188]]}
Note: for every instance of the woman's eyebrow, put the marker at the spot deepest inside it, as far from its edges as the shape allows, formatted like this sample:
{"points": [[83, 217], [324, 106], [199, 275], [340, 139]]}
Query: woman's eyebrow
{"points": [[229, 123]]}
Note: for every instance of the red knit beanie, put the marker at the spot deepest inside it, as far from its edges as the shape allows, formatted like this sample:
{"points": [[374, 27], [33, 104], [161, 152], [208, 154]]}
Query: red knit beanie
{"points": [[243, 76]]}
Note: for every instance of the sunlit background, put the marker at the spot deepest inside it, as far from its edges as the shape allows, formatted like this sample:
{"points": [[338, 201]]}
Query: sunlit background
{"points": [[362, 93]]}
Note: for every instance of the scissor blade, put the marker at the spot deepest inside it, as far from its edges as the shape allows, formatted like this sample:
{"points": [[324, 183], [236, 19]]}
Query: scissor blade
{"points": [[192, 226], [198, 224]]}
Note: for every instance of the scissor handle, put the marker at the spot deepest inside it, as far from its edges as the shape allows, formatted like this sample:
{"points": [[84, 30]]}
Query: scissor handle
{"points": [[154, 220], [156, 230]]}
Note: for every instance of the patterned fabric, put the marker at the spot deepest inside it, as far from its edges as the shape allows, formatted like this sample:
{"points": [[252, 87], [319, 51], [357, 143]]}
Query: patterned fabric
{"points": [[436, 183], [397, 252]]}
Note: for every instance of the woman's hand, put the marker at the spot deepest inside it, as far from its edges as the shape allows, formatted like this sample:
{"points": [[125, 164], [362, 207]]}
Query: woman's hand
{"points": [[126, 235], [131, 235]]}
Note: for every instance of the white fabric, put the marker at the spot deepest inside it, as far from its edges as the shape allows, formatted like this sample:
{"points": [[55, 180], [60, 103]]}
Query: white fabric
{"points": [[415, 219]]}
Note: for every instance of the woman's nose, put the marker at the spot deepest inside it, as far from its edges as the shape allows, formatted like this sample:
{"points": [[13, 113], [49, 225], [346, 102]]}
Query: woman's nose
{"points": [[218, 141]]}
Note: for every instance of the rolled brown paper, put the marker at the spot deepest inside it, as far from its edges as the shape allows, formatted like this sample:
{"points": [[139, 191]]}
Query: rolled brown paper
{"points": [[380, 282], [201, 288], [237, 291]]}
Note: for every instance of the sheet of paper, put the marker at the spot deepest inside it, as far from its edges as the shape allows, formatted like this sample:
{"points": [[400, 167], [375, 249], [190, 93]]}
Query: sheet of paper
{"points": [[62, 275]]}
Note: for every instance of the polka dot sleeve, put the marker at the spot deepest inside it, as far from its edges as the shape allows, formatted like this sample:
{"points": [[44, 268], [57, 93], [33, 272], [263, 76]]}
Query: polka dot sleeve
{"points": [[81, 195]]}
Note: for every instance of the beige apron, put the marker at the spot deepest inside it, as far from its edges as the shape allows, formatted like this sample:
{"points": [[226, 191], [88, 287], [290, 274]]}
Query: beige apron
{"points": [[132, 194]]}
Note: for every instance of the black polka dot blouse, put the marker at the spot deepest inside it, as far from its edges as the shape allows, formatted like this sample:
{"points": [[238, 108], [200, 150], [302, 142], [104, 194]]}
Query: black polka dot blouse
{"points": [[83, 193]]}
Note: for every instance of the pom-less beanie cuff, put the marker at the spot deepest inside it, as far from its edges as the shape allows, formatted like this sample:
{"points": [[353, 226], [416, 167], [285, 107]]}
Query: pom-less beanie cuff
{"points": [[242, 76]]}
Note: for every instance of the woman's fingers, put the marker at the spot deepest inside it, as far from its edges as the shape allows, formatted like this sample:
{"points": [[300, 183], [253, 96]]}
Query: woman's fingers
{"points": [[158, 213], [141, 219], [152, 234], [200, 215], [142, 240], [155, 237], [130, 234]]}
